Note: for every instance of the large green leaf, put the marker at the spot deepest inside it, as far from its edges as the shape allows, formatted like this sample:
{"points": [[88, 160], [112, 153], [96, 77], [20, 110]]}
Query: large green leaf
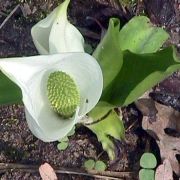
{"points": [[108, 53], [128, 75], [140, 36], [108, 127], [139, 73], [9, 92], [121, 86]]}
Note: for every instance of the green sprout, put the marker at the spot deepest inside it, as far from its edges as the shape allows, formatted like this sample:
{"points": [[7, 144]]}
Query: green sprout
{"points": [[64, 142], [148, 162], [91, 164]]}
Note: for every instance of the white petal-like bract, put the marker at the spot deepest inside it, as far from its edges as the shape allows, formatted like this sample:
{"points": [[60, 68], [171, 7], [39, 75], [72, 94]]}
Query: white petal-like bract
{"points": [[31, 74], [55, 34]]}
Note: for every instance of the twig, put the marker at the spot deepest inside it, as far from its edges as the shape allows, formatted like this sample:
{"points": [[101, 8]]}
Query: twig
{"points": [[110, 175], [9, 16]]}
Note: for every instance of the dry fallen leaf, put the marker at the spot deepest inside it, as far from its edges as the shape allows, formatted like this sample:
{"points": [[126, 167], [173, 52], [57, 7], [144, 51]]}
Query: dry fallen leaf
{"points": [[164, 171], [155, 124], [47, 172]]}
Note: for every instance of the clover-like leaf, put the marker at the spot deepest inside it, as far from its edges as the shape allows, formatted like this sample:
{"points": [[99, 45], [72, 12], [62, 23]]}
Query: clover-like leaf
{"points": [[100, 166], [148, 160], [146, 174], [89, 164], [62, 145]]}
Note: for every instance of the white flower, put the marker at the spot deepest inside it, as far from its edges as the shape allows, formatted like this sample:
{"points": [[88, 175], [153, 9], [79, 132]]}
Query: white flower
{"points": [[55, 34], [31, 75]]}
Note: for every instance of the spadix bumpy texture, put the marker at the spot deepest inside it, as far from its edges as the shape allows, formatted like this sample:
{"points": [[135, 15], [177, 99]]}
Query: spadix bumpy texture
{"points": [[63, 94], [55, 34]]}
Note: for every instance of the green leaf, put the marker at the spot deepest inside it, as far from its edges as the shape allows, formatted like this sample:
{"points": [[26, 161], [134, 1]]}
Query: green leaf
{"points": [[148, 160], [9, 92], [100, 166], [128, 75], [62, 145], [139, 73], [146, 174], [108, 53], [140, 36], [100, 110], [89, 164], [105, 129], [64, 139]]}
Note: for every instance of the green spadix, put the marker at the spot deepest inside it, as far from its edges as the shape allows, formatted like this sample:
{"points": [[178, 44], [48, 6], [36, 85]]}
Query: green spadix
{"points": [[63, 94]]}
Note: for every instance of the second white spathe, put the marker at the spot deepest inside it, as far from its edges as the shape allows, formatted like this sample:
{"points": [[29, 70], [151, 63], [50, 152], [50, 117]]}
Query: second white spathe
{"points": [[55, 34]]}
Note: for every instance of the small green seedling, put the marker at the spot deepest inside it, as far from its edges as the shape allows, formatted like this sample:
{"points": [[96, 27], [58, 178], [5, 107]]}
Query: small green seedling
{"points": [[100, 166], [62, 145], [148, 162], [146, 174], [96, 165], [89, 164], [64, 142]]}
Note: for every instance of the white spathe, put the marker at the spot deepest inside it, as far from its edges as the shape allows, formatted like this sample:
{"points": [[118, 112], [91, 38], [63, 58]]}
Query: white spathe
{"points": [[31, 74], [55, 34]]}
